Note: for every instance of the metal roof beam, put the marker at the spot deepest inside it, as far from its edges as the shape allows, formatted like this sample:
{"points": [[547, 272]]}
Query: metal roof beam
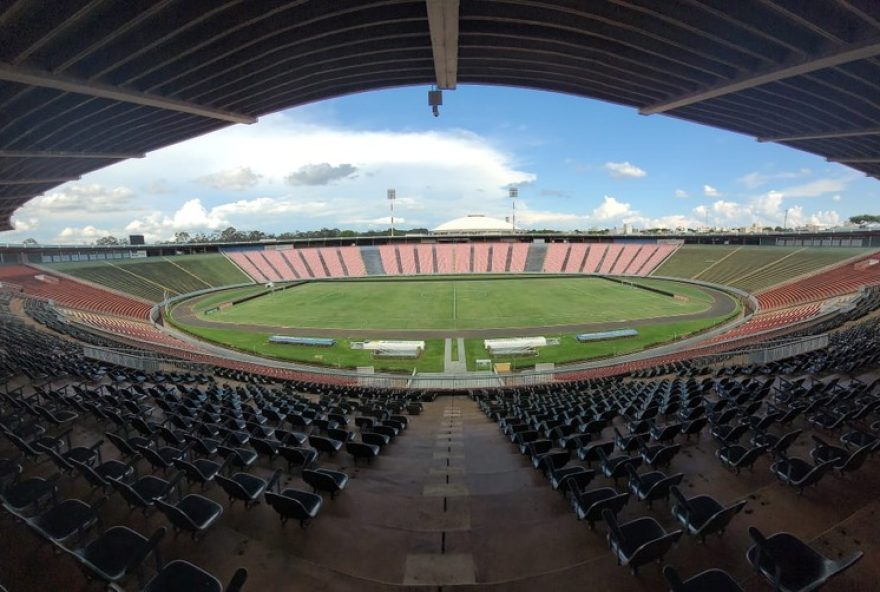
{"points": [[90, 88], [65, 154], [37, 181], [828, 59], [443, 22], [855, 160], [847, 133]]}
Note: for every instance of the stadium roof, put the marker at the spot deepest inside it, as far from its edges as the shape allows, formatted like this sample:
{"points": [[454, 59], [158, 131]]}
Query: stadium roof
{"points": [[91, 82], [474, 223]]}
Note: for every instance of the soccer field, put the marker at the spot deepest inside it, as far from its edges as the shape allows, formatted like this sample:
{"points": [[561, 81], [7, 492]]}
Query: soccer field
{"points": [[462, 304]]}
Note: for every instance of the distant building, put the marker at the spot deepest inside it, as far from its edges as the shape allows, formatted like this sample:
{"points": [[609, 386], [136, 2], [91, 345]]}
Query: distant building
{"points": [[475, 224]]}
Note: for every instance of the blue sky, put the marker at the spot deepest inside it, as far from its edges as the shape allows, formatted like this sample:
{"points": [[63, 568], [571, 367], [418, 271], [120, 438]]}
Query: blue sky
{"points": [[579, 164]]}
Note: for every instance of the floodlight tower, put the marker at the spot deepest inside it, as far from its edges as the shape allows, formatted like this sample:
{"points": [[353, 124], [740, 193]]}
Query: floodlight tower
{"points": [[513, 193], [392, 195]]}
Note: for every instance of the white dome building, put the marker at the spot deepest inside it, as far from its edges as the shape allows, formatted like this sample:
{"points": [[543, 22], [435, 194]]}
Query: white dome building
{"points": [[475, 224]]}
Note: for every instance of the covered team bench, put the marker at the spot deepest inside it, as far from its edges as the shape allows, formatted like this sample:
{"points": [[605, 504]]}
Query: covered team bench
{"points": [[601, 335], [313, 341]]}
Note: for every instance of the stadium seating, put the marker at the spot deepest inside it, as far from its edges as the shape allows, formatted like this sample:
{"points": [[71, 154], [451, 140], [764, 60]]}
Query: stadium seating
{"points": [[624, 260], [354, 263], [280, 265], [557, 254], [481, 257], [840, 280], [295, 261], [72, 294], [610, 258], [246, 265], [575, 258]]}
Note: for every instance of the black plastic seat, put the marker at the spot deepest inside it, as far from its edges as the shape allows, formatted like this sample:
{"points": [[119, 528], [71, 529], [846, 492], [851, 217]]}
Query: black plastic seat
{"points": [[297, 457], [776, 445], [162, 458], [630, 442], [843, 461], [194, 513], [144, 492], [693, 427], [615, 467], [241, 458], [702, 515], [117, 552], [325, 480], [590, 452], [30, 495], [361, 450], [199, 470], [711, 580], [790, 565], [202, 446], [66, 519], [101, 476], [127, 447], [375, 438], [589, 505], [182, 576], [293, 503], [659, 456], [265, 447], [560, 478], [323, 444], [665, 433], [639, 541], [649, 487], [799, 473], [246, 487], [556, 458], [856, 438], [738, 457]]}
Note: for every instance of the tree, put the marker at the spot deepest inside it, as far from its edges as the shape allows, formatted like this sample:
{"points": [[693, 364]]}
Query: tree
{"points": [[181, 237], [30, 241], [229, 235], [865, 219], [107, 240]]}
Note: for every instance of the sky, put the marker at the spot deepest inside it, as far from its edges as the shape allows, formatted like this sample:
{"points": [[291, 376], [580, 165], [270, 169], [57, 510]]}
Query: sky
{"points": [[579, 164]]}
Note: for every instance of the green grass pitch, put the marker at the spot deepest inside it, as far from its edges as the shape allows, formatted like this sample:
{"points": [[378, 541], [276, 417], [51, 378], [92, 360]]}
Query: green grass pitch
{"points": [[460, 304]]}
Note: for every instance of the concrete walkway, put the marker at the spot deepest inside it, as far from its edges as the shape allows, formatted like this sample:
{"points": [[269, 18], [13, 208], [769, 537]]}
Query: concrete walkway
{"points": [[459, 365]]}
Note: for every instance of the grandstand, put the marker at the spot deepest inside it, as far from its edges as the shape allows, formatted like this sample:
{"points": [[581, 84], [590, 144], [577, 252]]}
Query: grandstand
{"points": [[693, 466], [750, 268], [151, 279]]}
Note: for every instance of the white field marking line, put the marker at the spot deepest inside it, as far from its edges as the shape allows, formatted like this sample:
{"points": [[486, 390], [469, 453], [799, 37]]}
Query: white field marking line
{"points": [[453, 301]]}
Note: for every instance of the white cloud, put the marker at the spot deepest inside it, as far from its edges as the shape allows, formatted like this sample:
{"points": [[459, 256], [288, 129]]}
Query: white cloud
{"points": [[835, 197], [383, 221], [192, 216], [611, 209], [768, 204], [710, 191], [818, 187], [320, 174], [237, 179], [681, 193], [624, 169], [24, 225], [85, 234], [536, 218], [75, 198], [756, 179]]}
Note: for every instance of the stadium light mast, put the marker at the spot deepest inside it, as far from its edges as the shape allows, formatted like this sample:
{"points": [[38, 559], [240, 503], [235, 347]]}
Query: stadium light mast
{"points": [[392, 195], [513, 193]]}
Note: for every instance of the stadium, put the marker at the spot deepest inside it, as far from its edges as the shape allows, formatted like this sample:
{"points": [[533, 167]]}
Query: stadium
{"points": [[474, 407]]}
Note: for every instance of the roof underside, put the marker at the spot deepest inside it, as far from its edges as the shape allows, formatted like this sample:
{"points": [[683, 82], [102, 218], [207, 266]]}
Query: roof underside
{"points": [[89, 82]]}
